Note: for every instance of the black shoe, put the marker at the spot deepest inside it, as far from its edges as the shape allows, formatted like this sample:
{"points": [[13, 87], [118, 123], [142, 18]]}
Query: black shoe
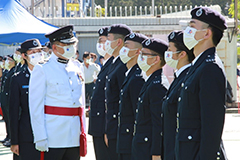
{"points": [[7, 143], [3, 141]]}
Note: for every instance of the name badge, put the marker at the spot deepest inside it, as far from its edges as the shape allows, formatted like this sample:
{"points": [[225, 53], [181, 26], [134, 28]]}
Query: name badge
{"points": [[26, 86]]}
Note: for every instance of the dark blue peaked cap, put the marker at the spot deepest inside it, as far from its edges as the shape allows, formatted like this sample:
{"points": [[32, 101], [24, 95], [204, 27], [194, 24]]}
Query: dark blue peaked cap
{"points": [[136, 37], [209, 16], [156, 45], [122, 29], [63, 35]]}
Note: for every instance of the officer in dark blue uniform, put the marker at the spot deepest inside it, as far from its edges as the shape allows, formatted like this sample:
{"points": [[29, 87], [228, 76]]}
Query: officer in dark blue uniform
{"points": [[178, 57], [10, 66], [201, 104], [114, 80], [97, 119], [21, 130], [147, 140], [129, 94], [20, 61]]}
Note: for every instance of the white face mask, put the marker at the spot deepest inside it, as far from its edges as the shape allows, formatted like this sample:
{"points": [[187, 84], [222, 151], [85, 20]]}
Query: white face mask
{"points": [[100, 50], [88, 61], [7, 64], [189, 39], [108, 47], [46, 55], [168, 58], [17, 57], [69, 51], [1, 65], [35, 58], [74, 57], [123, 53], [142, 62]]}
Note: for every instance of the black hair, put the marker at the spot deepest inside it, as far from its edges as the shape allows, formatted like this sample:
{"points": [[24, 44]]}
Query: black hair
{"points": [[86, 54], [217, 34], [182, 47]]}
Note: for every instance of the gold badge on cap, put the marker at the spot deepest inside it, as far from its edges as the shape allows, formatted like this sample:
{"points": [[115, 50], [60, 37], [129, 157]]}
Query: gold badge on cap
{"points": [[35, 43], [172, 35], [199, 12], [132, 36], [147, 43], [101, 31]]}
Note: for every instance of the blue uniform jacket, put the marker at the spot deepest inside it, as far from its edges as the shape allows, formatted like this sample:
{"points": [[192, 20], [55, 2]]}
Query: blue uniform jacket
{"points": [[20, 125], [169, 116], [127, 109], [97, 113], [114, 81], [201, 110], [147, 140]]}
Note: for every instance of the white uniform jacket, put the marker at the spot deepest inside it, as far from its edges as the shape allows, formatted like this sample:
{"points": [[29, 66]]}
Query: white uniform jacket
{"points": [[60, 85]]}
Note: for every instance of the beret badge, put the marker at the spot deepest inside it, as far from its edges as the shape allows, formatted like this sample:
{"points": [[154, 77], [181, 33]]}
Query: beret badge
{"points": [[101, 31], [199, 12], [147, 43], [132, 36], [172, 35]]}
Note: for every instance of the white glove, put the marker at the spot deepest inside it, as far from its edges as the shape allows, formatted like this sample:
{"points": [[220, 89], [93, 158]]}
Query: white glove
{"points": [[42, 145]]}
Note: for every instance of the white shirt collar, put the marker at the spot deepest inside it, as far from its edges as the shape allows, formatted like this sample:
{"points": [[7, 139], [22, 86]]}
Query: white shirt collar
{"points": [[178, 72], [126, 73], [146, 78], [106, 61], [115, 59], [196, 58], [29, 70]]}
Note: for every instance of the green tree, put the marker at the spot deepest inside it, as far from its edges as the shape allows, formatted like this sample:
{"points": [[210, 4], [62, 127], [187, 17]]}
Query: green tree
{"points": [[231, 9]]}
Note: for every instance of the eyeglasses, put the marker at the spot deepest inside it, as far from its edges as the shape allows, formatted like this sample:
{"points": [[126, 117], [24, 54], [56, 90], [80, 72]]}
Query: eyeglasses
{"points": [[146, 54]]}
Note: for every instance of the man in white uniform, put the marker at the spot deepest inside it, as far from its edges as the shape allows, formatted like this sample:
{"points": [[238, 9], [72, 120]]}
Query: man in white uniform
{"points": [[56, 99]]}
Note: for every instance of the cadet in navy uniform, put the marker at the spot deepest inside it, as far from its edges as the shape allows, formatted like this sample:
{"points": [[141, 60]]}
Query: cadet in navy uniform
{"points": [[97, 117], [21, 130], [114, 80], [147, 140], [129, 94], [178, 57], [6, 82], [20, 61], [201, 104], [56, 100]]}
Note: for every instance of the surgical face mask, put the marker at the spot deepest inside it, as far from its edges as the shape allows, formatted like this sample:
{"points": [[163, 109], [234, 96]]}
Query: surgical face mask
{"points": [[142, 62], [41, 54], [88, 61], [123, 53], [100, 50], [7, 64], [17, 57], [1, 65], [108, 47], [189, 39], [91, 60], [46, 55], [69, 51], [35, 58], [74, 57], [168, 58]]}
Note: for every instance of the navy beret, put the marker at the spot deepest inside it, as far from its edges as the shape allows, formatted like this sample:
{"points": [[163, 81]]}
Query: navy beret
{"points": [[30, 44], [136, 37], [103, 31], [209, 16], [177, 37], [122, 29], [63, 35], [156, 45]]}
